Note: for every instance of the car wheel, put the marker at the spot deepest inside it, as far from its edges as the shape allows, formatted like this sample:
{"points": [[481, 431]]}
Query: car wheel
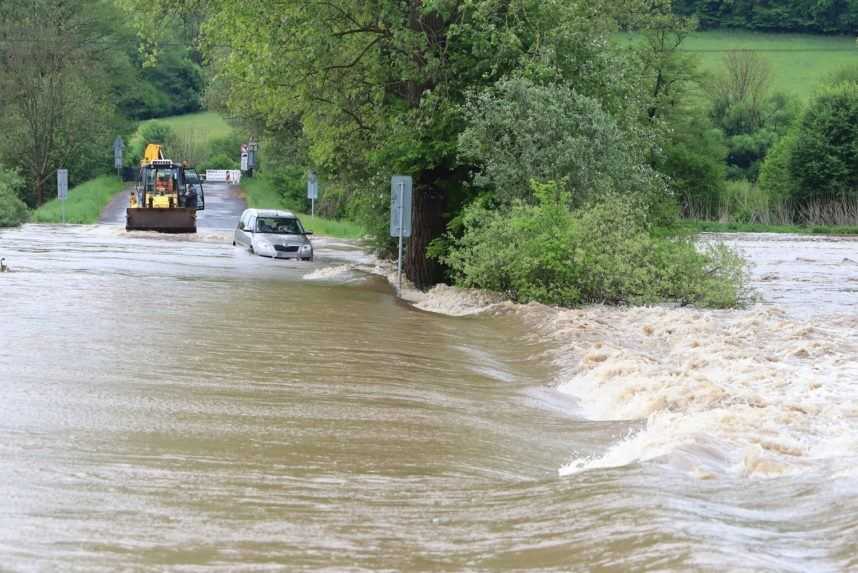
{"points": [[233, 243], [251, 250], [308, 259]]}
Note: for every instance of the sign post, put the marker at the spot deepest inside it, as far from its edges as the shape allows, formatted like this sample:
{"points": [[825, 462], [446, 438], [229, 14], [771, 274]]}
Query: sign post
{"points": [[63, 190], [400, 216], [312, 191], [118, 148]]}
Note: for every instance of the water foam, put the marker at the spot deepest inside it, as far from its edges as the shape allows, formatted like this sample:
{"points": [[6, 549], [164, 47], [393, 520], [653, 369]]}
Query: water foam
{"points": [[327, 273], [770, 394]]}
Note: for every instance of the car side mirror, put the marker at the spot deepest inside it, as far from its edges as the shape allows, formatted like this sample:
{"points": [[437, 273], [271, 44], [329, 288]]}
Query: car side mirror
{"points": [[308, 232]]}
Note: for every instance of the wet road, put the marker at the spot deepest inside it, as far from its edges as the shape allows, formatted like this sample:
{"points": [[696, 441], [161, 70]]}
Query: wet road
{"points": [[173, 403]]}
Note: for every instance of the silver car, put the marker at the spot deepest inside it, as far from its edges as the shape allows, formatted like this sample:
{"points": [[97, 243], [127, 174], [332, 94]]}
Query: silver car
{"points": [[276, 234]]}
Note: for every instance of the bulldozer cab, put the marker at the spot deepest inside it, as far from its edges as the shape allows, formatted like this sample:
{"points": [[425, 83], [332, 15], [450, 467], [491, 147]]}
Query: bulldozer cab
{"points": [[164, 184]]}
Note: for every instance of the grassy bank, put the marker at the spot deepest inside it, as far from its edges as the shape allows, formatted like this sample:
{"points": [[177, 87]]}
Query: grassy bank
{"points": [[203, 126], [714, 227], [260, 193], [84, 204]]}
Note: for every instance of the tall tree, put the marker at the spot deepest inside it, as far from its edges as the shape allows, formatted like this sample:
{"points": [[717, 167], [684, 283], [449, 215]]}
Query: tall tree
{"points": [[53, 100], [378, 85]]}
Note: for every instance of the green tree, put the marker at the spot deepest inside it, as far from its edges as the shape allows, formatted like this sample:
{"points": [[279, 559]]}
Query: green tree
{"points": [[13, 211], [378, 86], [751, 118], [519, 131], [54, 100], [823, 161]]}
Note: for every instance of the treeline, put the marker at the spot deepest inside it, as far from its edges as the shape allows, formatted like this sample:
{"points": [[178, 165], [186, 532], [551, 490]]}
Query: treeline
{"points": [[72, 78], [536, 144], [811, 16]]}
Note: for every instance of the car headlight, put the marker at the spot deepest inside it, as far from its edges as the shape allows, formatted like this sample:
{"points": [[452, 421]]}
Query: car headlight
{"points": [[263, 245], [306, 248]]}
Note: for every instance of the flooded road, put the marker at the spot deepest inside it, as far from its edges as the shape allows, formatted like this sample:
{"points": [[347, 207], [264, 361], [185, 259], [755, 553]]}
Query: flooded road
{"points": [[173, 403]]}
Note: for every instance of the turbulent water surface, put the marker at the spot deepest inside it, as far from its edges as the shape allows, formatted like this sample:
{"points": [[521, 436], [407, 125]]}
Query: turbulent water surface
{"points": [[174, 403]]}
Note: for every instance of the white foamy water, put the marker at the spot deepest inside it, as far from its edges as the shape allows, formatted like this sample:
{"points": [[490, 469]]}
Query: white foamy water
{"points": [[752, 393]]}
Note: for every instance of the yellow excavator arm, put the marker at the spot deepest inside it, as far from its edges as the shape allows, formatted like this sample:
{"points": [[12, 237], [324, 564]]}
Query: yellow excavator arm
{"points": [[152, 153]]}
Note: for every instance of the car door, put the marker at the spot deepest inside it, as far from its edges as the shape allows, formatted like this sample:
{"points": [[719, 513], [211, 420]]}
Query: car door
{"points": [[241, 237]]}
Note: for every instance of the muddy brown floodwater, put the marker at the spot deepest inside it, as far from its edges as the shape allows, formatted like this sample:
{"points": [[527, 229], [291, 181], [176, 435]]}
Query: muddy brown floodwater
{"points": [[174, 403]]}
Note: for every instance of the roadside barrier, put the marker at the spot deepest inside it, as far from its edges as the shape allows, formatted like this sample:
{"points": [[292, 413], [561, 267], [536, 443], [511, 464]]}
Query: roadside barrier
{"points": [[230, 175]]}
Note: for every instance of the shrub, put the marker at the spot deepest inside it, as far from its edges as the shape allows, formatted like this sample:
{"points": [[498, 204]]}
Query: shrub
{"points": [[13, 211], [603, 253]]}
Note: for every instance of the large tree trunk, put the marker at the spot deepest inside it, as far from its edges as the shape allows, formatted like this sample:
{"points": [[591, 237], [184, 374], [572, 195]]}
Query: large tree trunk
{"points": [[428, 204]]}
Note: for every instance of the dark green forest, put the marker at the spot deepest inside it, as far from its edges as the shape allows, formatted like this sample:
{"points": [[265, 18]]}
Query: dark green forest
{"points": [[811, 16]]}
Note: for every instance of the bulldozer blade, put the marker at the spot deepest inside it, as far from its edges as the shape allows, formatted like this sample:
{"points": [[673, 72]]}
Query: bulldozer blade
{"points": [[175, 220]]}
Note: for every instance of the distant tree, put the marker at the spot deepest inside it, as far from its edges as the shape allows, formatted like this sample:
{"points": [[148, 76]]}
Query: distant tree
{"points": [[54, 101], [823, 161], [751, 118]]}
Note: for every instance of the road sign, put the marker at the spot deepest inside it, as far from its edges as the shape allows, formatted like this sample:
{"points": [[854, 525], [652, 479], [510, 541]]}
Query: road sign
{"points": [[400, 216], [63, 190], [400, 206], [312, 186], [118, 148], [62, 184]]}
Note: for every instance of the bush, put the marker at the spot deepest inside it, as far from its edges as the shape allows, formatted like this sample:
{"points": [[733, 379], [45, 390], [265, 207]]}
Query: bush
{"points": [[603, 253], [13, 211]]}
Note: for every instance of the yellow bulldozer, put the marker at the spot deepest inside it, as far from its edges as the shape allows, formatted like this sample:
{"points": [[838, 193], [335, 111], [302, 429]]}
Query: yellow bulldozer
{"points": [[167, 196]]}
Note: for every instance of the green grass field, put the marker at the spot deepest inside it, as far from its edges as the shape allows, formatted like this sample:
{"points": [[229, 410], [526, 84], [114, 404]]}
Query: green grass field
{"points": [[205, 125], [260, 193], [799, 62], [84, 204]]}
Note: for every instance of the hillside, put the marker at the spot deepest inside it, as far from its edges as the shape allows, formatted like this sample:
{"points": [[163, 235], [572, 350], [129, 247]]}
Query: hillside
{"points": [[799, 62]]}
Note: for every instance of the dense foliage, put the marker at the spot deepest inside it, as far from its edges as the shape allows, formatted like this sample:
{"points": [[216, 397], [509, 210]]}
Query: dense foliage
{"points": [[13, 211], [824, 157], [72, 78], [605, 253], [818, 16]]}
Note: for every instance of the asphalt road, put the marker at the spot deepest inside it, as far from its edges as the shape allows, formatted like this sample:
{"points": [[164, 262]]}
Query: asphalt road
{"points": [[224, 205]]}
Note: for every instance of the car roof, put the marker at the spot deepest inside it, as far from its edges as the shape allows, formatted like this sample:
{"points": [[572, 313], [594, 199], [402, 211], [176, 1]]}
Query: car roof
{"points": [[270, 213]]}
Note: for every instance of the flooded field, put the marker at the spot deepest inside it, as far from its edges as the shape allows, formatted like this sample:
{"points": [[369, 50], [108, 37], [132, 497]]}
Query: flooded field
{"points": [[174, 403]]}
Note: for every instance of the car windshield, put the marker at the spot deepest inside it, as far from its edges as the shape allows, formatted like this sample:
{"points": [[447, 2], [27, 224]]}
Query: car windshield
{"points": [[279, 225]]}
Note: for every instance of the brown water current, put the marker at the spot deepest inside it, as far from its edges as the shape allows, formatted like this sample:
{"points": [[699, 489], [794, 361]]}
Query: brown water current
{"points": [[174, 403]]}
